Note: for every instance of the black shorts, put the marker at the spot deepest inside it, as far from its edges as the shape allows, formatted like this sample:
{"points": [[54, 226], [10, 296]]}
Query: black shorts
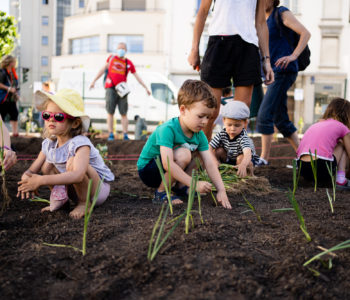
{"points": [[150, 174], [323, 175], [113, 99], [229, 57], [9, 107]]}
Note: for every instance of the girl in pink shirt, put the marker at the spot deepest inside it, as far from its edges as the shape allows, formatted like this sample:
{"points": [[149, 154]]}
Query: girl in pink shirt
{"points": [[330, 139]]}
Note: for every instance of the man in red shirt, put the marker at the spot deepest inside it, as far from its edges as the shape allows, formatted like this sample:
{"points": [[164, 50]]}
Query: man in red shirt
{"points": [[118, 68]]}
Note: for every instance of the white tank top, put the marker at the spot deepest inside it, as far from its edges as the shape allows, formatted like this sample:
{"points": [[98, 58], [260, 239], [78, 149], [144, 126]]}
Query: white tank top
{"points": [[232, 17]]}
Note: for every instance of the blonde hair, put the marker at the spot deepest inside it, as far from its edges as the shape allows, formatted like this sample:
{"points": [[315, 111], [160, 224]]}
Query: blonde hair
{"points": [[193, 91], [70, 131], [6, 61], [338, 109]]}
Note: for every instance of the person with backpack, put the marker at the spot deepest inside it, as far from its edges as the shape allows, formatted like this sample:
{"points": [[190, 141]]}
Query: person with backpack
{"points": [[288, 49], [8, 92], [116, 70]]}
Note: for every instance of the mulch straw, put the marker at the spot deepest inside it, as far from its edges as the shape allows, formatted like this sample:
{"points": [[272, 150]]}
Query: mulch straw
{"points": [[237, 185]]}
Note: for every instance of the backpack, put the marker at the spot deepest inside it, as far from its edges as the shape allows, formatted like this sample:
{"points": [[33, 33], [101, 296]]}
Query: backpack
{"points": [[304, 57]]}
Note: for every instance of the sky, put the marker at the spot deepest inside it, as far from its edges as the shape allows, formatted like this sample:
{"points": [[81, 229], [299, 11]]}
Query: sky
{"points": [[4, 5]]}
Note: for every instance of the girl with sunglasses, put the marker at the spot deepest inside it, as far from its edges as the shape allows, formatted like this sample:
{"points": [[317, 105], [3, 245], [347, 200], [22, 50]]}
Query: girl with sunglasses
{"points": [[67, 158]]}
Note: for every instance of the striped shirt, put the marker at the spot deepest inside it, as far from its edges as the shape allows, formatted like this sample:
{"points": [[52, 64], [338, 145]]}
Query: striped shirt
{"points": [[235, 146]]}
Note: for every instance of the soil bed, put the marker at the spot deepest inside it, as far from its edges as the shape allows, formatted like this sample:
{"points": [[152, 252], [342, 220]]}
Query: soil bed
{"points": [[230, 256]]}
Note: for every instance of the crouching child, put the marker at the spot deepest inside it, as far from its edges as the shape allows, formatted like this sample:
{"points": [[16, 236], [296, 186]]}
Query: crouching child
{"points": [[177, 140], [232, 145]]}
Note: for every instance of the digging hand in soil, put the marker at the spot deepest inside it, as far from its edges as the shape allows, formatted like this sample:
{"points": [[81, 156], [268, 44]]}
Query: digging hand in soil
{"points": [[10, 159], [222, 198], [28, 185]]}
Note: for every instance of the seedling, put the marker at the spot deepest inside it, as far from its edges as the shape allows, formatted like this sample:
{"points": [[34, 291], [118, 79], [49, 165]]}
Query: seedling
{"points": [[204, 176], [87, 216], [37, 199], [340, 246], [5, 195], [333, 179], [103, 150], [167, 185], [314, 167], [251, 209]]}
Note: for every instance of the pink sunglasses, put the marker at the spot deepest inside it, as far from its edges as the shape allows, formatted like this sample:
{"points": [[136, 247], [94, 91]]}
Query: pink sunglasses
{"points": [[59, 117]]}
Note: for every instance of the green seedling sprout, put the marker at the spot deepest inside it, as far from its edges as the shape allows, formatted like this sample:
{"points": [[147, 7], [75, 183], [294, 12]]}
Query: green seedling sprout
{"points": [[156, 243], [6, 198], [333, 179], [103, 150], [314, 167], [340, 246], [252, 209], [283, 209], [87, 216], [37, 199], [204, 176], [167, 185], [190, 201]]}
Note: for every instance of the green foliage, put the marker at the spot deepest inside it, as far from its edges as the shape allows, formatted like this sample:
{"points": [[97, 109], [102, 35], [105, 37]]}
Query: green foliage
{"points": [[8, 34]]}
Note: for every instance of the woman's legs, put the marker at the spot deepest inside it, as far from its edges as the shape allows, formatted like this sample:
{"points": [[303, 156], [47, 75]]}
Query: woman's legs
{"points": [[208, 130], [244, 94]]}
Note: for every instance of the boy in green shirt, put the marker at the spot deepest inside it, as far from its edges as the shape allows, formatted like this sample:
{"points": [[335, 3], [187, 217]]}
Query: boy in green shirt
{"points": [[177, 139]]}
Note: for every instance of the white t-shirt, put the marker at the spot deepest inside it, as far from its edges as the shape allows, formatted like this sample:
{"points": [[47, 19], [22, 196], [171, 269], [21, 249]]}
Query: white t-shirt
{"points": [[232, 17]]}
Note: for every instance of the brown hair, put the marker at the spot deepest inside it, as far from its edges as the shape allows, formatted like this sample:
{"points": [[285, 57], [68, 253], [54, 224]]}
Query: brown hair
{"points": [[276, 3], [193, 91], [338, 109], [7, 60], [70, 131]]}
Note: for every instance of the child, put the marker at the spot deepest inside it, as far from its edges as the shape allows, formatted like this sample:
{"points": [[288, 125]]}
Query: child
{"points": [[330, 138], [177, 139], [232, 144], [66, 157]]}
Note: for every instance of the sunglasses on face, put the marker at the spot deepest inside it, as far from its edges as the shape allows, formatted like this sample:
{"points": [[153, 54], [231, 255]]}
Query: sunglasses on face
{"points": [[58, 117]]}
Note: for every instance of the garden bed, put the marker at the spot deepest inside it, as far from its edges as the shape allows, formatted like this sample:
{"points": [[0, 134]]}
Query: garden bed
{"points": [[231, 256]]}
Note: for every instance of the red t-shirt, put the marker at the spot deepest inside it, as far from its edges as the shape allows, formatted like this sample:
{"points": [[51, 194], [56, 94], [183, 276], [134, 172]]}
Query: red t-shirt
{"points": [[116, 71]]}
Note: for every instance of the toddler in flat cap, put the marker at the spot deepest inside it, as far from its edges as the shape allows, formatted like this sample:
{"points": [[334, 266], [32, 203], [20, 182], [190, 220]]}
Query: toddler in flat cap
{"points": [[232, 144]]}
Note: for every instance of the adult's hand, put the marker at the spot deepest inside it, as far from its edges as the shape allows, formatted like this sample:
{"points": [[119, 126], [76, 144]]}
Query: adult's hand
{"points": [[92, 85], [10, 159], [12, 90], [194, 59], [284, 61], [269, 74]]}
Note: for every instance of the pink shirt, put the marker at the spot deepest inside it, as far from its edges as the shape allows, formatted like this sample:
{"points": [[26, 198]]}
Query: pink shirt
{"points": [[322, 137]]}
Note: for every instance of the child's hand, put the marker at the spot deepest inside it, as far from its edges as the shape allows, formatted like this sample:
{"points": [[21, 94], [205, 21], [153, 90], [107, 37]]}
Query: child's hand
{"points": [[203, 187], [29, 183], [241, 170], [10, 158], [222, 198]]}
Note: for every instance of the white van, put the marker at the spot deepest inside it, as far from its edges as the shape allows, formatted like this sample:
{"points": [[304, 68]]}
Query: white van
{"points": [[159, 107]]}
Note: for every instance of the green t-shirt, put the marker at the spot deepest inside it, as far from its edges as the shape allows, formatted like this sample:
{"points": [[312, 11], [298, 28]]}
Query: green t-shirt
{"points": [[170, 135]]}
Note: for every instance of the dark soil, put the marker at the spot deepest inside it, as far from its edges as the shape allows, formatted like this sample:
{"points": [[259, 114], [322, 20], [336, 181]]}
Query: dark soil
{"points": [[230, 256]]}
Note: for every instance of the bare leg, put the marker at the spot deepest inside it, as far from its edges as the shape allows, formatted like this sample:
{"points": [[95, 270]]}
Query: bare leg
{"points": [[125, 123], [208, 130], [266, 140], [294, 140], [341, 156], [48, 169], [250, 167], [220, 155], [244, 94], [110, 119], [14, 125]]}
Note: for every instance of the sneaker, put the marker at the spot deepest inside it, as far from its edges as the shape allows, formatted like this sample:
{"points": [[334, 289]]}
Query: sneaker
{"points": [[343, 186], [126, 138], [261, 162], [110, 137]]}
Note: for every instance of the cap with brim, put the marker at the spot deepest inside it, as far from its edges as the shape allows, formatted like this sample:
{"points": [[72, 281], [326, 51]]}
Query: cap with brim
{"points": [[236, 109], [68, 100]]}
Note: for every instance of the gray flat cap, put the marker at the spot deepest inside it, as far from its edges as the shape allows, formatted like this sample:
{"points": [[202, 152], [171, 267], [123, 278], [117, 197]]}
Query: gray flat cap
{"points": [[236, 109]]}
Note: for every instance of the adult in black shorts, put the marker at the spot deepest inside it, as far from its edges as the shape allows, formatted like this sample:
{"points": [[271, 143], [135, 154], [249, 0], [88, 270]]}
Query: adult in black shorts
{"points": [[237, 30], [8, 92]]}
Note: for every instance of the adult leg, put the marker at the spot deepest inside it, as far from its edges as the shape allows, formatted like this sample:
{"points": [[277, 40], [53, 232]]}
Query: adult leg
{"points": [[244, 94], [208, 130], [111, 103], [125, 124], [14, 125], [110, 120]]}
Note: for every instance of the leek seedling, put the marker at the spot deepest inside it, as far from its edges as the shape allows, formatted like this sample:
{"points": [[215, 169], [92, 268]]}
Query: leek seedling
{"points": [[333, 179], [87, 216], [37, 199], [252, 209], [314, 167], [190, 201], [6, 198], [103, 150], [340, 246], [204, 176], [283, 209], [167, 186]]}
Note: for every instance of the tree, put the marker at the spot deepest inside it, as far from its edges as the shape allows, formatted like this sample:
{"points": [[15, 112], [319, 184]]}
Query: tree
{"points": [[8, 34]]}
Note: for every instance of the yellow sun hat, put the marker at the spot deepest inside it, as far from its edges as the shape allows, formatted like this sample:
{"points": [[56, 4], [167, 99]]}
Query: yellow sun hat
{"points": [[68, 100]]}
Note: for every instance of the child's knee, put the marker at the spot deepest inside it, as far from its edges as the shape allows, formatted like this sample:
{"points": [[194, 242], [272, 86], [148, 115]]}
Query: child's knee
{"points": [[221, 154], [182, 156]]}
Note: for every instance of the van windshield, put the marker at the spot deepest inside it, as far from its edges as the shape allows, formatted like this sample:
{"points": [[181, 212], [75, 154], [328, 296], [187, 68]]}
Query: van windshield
{"points": [[161, 92]]}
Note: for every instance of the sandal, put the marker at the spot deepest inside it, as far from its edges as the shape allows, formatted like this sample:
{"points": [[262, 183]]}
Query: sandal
{"points": [[58, 197], [161, 197], [181, 192]]}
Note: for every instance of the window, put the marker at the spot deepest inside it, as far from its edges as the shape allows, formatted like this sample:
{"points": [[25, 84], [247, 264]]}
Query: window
{"points": [[332, 9], [44, 78], [134, 5], [103, 5], [44, 60], [329, 51], [81, 3], [45, 20], [162, 92], [44, 40], [45, 2], [85, 45], [134, 43]]}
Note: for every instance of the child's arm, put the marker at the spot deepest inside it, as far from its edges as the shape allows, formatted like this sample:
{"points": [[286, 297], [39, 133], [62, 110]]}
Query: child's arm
{"points": [[212, 150], [178, 174], [247, 158], [213, 172], [76, 175], [346, 142]]}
